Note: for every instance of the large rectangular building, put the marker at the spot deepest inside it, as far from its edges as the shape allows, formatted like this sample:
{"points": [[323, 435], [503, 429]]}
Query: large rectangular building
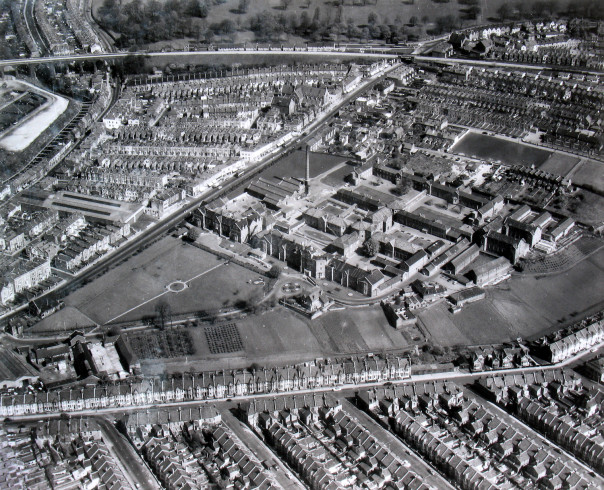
{"points": [[93, 208]]}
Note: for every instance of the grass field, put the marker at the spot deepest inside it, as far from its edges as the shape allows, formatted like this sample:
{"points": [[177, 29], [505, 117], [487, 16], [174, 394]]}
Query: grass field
{"points": [[525, 306], [282, 336], [559, 164], [590, 173], [144, 277], [500, 150], [357, 330], [65, 320]]}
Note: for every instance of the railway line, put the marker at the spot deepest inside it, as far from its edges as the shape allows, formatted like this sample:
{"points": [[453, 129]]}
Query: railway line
{"points": [[151, 234]]}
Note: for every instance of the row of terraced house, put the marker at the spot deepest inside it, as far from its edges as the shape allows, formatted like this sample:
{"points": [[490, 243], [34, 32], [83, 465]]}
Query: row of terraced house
{"points": [[211, 385]]}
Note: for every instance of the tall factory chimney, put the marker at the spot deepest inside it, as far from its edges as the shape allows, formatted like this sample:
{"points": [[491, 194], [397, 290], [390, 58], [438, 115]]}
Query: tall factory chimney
{"points": [[307, 178]]}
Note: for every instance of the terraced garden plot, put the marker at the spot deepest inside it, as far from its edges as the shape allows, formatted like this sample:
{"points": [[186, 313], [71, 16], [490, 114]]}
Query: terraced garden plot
{"points": [[565, 258], [154, 344], [223, 339]]}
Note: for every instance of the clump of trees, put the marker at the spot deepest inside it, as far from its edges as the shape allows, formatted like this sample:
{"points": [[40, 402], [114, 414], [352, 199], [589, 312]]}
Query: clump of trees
{"points": [[402, 187], [370, 247], [163, 315], [275, 272], [326, 24], [145, 22]]}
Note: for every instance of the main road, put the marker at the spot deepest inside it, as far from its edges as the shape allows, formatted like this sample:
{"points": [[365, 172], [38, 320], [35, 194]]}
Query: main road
{"points": [[460, 377], [136, 471], [163, 226]]}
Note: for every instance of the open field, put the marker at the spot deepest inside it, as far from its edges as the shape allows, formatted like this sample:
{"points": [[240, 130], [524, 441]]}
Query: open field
{"points": [[34, 124], [590, 173], [133, 289], [525, 306], [559, 163], [358, 330], [65, 320], [496, 149], [281, 336]]}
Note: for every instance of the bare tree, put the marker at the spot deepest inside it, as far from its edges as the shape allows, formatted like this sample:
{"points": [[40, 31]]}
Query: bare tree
{"points": [[164, 314]]}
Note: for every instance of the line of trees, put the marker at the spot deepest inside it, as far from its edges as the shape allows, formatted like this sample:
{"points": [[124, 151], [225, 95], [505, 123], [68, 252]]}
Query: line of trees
{"points": [[330, 23]]}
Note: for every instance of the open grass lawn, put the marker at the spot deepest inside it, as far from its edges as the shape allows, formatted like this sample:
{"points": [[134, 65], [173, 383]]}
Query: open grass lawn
{"points": [[438, 323], [590, 173], [525, 306], [222, 287], [144, 277], [357, 330], [559, 164], [498, 149], [65, 320]]}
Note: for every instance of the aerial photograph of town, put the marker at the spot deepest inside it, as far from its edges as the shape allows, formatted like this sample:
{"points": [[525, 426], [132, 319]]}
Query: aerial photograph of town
{"points": [[302, 244]]}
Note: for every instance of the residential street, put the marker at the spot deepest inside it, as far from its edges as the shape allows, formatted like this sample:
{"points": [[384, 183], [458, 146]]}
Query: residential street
{"points": [[132, 464]]}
